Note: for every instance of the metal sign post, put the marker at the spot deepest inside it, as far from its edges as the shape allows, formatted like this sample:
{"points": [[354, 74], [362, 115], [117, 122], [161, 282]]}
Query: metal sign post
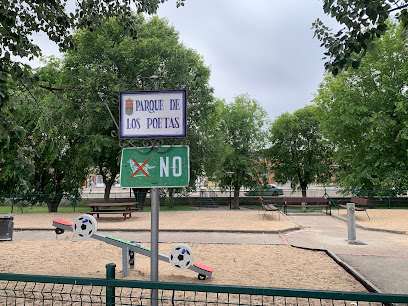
{"points": [[154, 114], [154, 238]]}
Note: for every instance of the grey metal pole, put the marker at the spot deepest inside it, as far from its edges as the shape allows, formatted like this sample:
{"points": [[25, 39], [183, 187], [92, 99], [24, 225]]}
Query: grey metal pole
{"points": [[154, 260], [125, 262], [351, 222]]}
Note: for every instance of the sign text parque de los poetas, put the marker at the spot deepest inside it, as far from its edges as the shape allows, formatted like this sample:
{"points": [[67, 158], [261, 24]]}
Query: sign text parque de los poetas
{"points": [[153, 114]]}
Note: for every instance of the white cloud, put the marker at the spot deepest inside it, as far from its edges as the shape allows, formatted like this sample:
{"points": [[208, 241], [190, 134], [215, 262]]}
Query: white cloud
{"points": [[261, 47]]}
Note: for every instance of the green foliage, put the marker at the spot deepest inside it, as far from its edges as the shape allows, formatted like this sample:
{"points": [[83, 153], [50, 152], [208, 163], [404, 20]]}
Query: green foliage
{"points": [[69, 130], [21, 19], [299, 152], [363, 21], [364, 113], [109, 59], [241, 140]]}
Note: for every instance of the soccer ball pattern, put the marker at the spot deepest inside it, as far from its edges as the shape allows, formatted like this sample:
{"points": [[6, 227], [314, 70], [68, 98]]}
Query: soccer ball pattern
{"points": [[85, 226], [181, 256]]}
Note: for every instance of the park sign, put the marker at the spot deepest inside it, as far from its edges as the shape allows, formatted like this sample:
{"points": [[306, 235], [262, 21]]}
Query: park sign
{"points": [[158, 167], [151, 114]]}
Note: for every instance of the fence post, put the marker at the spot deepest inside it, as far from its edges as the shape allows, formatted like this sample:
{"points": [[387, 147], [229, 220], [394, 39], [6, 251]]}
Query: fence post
{"points": [[110, 291], [389, 199], [12, 203], [75, 199], [201, 198]]}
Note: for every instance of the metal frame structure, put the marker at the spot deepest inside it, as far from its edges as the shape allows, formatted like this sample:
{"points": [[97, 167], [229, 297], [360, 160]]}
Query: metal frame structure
{"points": [[129, 247]]}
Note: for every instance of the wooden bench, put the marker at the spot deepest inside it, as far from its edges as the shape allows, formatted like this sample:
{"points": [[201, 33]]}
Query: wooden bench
{"points": [[363, 205], [268, 207], [122, 212], [309, 203], [111, 208]]}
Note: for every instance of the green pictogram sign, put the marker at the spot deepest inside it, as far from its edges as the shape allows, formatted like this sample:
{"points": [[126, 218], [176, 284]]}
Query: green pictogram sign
{"points": [[162, 167]]}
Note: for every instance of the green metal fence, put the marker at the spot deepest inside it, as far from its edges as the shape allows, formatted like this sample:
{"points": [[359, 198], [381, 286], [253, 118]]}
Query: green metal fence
{"points": [[198, 199], [19, 289], [29, 201]]}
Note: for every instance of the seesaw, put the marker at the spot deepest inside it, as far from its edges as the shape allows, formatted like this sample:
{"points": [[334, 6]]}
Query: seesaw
{"points": [[181, 256]]}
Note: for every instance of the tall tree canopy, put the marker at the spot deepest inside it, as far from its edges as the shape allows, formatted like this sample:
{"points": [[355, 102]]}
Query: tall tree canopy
{"points": [[109, 60], [299, 152], [364, 113], [363, 21], [20, 19], [50, 158], [76, 123], [242, 125]]}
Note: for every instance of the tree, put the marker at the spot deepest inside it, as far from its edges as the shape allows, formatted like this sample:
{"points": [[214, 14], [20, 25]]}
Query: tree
{"points": [[20, 19], [108, 60], [365, 115], [363, 21], [299, 153], [16, 151], [50, 156], [242, 125]]}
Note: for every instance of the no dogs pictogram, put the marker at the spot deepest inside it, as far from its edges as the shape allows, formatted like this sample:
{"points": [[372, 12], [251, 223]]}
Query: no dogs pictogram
{"points": [[140, 167]]}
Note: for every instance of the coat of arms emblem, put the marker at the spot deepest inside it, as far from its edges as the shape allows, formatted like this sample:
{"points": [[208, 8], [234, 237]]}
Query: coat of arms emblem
{"points": [[129, 106]]}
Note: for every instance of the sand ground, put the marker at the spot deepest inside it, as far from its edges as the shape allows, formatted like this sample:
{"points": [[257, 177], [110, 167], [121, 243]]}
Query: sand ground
{"points": [[204, 219], [391, 219], [248, 265]]}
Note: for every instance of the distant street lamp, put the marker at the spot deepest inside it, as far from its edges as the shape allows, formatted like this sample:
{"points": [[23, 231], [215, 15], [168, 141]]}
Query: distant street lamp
{"points": [[230, 173]]}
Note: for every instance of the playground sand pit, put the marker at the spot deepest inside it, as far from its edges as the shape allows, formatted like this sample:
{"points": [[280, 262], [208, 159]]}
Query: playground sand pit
{"points": [[248, 265], [391, 219], [204, 219]]}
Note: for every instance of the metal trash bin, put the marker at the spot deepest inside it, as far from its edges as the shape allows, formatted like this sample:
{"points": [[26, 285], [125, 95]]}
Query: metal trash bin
{"points": [[6, 227]]}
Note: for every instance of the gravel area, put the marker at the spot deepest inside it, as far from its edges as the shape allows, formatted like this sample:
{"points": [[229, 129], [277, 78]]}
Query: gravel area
{"points": [[249, 265], [391, 219]]}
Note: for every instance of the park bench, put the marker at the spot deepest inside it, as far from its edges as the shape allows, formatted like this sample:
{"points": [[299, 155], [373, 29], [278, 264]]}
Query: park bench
{"points": [[268, 207], [101, 209], [361, 202], [301, 202], [108, 212]]}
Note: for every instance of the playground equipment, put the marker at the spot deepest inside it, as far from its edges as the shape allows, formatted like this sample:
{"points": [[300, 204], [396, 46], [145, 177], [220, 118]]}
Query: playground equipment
{"points": [[182, 255], [85, 226]]}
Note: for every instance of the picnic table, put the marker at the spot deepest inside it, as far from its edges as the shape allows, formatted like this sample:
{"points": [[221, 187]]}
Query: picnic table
{"points": [[112, 208]]}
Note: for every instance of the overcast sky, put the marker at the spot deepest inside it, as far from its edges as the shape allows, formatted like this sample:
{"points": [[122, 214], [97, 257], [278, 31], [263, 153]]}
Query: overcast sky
{"points": [[261, 47]]}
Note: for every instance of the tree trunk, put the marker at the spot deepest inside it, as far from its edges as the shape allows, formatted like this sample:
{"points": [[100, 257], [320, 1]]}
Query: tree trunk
{"points": [[171, 198], [236, 197], [303, 186], [108, 184], [54, 201], [106, 195]]}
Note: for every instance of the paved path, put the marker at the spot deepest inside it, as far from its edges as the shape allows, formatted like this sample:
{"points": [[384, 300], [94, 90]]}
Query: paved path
{"points": [[382, 259]]}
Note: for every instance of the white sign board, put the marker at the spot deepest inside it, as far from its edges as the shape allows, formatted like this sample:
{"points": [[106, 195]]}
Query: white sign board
{"points": [[148, 114]]}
